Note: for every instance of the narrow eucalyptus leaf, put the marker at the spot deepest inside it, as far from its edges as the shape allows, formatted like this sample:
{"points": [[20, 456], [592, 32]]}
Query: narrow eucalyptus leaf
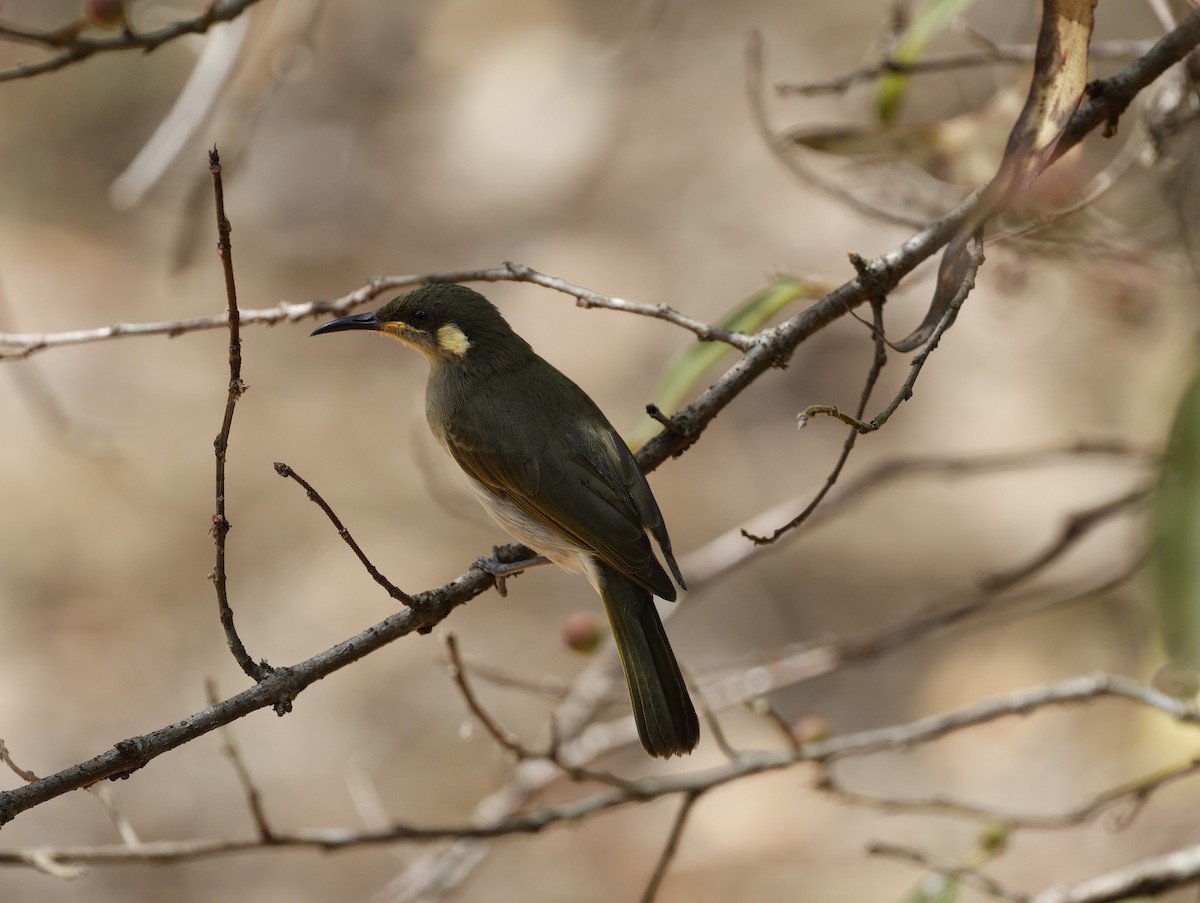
{"points": [[687, 369], [1177, 535]]}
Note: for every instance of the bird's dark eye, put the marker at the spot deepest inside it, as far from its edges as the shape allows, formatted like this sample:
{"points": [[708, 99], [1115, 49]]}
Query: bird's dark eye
{"points": [[418, 316]]}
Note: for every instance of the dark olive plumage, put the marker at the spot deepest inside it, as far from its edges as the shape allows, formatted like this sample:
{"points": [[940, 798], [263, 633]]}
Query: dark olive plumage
{"points": [[549, 467]]}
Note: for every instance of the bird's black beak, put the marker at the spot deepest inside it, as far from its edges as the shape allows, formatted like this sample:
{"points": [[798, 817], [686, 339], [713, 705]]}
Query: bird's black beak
{"points": [[358, 321]]}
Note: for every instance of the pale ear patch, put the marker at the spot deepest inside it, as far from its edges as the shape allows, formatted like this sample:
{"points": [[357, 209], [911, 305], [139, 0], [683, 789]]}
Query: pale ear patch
{"points": [[453, 340]]}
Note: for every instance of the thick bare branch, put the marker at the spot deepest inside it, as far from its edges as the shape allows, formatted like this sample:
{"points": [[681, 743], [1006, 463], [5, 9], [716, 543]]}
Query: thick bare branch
{"points": [[279, 688]]}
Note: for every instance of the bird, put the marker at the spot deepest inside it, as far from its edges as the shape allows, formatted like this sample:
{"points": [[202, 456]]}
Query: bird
{"points": [[551, 470]]}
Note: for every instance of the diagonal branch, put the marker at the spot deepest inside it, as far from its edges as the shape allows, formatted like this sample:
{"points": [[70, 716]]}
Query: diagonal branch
{"points": [[279, 687], [315, 497], [877, 365], [671, 847], [1150, 877]]}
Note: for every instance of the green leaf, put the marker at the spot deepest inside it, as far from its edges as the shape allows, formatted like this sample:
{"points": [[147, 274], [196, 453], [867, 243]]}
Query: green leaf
{"points": [[933, 18], [1177, 535], [684, 373]]}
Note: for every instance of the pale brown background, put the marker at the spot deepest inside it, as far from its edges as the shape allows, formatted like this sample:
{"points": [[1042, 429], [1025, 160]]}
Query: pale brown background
{"points": [[609, 144]]}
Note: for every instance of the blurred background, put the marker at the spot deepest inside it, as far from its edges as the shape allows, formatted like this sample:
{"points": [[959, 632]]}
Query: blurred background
{"points": [[612, 145]]}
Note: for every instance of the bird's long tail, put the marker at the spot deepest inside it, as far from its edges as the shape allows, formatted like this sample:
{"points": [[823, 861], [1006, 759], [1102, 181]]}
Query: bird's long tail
{"points": [[666, 720]]}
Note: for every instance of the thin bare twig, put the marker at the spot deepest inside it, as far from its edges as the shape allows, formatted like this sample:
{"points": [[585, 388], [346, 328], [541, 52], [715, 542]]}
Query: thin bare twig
{"points": [[1065, 692], [1076, 526], [748, 680], [230, 748], [74, 46], [105, 795], [906, 390], [1136, 792], [726, 552], [781, 146], [500, 734], [877, 365], [235, 390], [671, 847], [313, 496], [993, 53], [789, 736], [961, 873], [508, 740], [29, 343], [548, 686], [713, 722], [16, 769], [588, 298]]}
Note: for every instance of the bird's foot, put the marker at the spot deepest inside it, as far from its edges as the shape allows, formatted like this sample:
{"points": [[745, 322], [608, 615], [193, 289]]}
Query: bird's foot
{"points": [[501, 570]]}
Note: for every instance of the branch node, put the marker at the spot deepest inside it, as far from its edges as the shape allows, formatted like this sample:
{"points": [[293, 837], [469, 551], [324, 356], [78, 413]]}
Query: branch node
{"points": [[668, 423]]}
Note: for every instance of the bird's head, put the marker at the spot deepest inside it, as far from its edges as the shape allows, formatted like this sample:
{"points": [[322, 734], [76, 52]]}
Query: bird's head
{"points": [[449, 324]]}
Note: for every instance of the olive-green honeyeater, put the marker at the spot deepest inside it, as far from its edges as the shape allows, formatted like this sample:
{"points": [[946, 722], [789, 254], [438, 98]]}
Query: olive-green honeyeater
{"points": [[549, 468]]}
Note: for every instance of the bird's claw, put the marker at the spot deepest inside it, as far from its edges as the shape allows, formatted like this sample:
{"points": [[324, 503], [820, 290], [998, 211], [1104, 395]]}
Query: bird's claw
{"points": [[496, 569], [501, 570]]}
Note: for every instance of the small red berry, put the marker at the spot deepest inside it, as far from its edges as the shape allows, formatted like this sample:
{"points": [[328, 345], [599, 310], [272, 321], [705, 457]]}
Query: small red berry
{"points": [[105, 13], [581, 632]]}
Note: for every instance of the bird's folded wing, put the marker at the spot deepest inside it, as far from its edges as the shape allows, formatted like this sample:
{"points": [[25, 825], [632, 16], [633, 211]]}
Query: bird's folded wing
{"points": [[556, 483]]}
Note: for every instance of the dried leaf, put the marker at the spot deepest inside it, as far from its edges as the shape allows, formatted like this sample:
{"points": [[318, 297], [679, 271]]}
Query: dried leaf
{"points": [[1059, 80]]}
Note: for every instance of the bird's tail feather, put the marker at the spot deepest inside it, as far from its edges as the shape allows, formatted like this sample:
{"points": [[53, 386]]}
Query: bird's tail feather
{"points": [[666, 719]]}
